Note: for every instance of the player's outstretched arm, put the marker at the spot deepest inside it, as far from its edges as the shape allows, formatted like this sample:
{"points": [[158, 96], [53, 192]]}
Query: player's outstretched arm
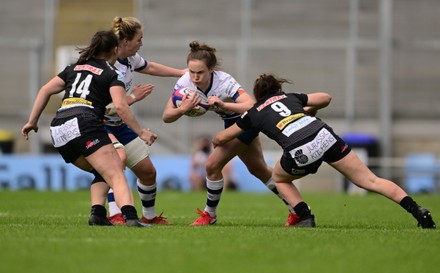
{"points": [[139, 92], [318, 100], [54, 86], [160, 70], [227, 135]]}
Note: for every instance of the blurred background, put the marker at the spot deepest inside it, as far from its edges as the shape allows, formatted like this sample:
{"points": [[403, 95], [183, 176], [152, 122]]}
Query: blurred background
{"points": [[379, 59]]}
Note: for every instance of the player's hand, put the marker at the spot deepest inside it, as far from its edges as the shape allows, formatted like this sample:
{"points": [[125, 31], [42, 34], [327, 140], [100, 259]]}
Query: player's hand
{"points": [[189, 102], [311, 111], [148, 136], [27, 128], [215, 102], [110, 109], [140, 91]]}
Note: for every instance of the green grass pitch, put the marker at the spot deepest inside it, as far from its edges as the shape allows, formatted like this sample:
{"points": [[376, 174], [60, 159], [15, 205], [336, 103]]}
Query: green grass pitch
{"points": [[47, 232]]}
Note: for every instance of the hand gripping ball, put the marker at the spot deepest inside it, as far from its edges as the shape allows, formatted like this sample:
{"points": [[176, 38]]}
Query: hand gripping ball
{"points": [[197, 111]]}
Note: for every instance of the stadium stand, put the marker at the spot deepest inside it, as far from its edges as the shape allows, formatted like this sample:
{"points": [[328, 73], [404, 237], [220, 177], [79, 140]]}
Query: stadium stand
{"points": [[299, 40]]}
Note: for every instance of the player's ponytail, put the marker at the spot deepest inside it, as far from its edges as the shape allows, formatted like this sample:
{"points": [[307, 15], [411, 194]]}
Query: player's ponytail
{"points": [[102, 44], [126, 27]]}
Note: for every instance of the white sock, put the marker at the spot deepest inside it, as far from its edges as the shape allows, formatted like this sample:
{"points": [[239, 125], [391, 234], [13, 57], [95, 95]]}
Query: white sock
{"points": [[214, 190], [113, 209], [147, 195]]}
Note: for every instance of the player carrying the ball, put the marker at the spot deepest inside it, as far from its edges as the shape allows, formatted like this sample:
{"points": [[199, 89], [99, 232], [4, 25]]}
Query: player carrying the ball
{"points": [[229, 100]]}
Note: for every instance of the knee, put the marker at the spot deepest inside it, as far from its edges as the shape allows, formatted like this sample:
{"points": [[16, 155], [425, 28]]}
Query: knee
{"points": [[213, 167]]}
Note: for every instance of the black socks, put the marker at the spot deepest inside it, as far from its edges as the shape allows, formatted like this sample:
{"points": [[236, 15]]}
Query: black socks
{"points": [[409, 205], [98, 216], [129, 212], [303, 210], [98, 210]]}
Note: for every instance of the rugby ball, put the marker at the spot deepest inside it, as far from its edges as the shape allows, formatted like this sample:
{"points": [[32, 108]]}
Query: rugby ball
{"points": [[197, 111]]}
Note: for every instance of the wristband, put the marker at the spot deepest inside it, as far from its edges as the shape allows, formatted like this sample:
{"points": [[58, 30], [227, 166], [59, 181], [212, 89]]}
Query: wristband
{"points": [[133, 96]]}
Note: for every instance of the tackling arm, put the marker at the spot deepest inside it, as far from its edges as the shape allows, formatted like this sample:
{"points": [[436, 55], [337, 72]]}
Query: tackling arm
{"points": [[227, 135], [317, 101], [243, 103]]}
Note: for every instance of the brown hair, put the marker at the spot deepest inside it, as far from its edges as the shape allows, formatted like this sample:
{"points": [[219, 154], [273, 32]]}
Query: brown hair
{"points": [[126, 27], [267, 85], [102, 44], [204, 53]]}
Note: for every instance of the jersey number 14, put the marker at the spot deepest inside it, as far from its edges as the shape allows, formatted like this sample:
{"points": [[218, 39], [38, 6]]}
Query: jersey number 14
{"points": [[82, 88]]}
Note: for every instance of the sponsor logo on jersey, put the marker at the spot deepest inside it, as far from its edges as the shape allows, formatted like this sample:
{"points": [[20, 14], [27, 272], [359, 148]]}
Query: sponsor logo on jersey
{"points": [[298, 171], [285, 121], [87, 67], [269, 101], [65, 132], [300, 157], [75, 101], [90, 144], [299, 124], [127, 84], [313, 150], [343, 148], [178, 86], [231, 87]]}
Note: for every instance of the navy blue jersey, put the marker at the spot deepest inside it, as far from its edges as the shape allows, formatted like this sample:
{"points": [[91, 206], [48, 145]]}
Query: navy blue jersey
{"points": [[88, 85]]}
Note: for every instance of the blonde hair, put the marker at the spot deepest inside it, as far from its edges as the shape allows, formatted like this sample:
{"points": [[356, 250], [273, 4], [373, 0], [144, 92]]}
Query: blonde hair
{"points": [[126, 27]]}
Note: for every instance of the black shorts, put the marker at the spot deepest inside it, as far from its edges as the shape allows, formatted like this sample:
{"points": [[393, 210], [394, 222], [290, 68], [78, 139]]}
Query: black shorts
{"points": [[247, 136], [308, 154], [78, 132]]}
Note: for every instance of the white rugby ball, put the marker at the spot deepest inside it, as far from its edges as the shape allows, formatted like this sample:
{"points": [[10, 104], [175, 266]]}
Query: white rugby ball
{"points": [[197, 111]]}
